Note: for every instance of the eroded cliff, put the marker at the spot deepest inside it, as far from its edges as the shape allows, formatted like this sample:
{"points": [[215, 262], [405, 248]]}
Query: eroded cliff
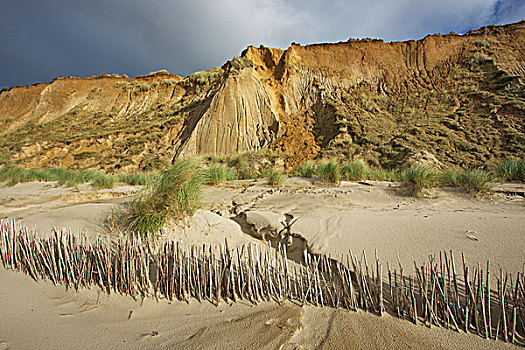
{"points": [[459, 99]]}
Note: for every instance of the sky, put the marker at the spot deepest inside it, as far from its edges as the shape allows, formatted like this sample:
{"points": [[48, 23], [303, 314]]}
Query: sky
{"points": [[40, 40]]}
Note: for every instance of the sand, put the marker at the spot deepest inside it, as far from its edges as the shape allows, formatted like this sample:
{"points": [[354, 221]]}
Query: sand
{"points": [[330, 220]]}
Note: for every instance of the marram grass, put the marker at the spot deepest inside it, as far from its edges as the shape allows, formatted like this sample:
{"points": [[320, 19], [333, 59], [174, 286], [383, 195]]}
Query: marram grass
{"points": [[172, 195], [511, 170], [476, 181], [306, 170], [329, 171], [275, 177], [418, 178], [14, 174], [218, 173], [355, 171]]}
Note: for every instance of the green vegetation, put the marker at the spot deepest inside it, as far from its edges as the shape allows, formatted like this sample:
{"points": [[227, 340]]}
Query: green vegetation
{"points": [[512, 170], [275, 177], [172, 195], [329, 171], [418, 178], [251, 165], [450, 177], [476, 181], [306, 170], [206, 77], [144, 87], [135, 179], [101, 180], [244, 165], [355, 171], [13, 174], [218, 173], [167, 82]]}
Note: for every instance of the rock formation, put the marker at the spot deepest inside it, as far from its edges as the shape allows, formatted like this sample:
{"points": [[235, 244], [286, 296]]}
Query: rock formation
{"points": [[458, 99]]}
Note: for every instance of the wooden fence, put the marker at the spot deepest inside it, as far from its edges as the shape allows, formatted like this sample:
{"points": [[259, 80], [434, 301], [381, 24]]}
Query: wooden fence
{"points": [[435, 293]]}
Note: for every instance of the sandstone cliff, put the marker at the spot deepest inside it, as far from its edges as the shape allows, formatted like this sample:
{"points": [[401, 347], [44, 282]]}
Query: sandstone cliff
{"points": [[459, 99]]}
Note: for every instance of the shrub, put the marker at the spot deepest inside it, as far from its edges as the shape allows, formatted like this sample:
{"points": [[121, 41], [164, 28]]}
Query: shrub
{"points": [[355, 171], [511, 170], [418, 177], [329, 171], [306, 170], [218, 173], [174, 194], [275, 177], [476, 181]]}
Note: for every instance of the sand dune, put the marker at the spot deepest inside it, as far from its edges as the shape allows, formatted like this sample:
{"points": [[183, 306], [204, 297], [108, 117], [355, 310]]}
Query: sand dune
{"points": [[331, 220]]}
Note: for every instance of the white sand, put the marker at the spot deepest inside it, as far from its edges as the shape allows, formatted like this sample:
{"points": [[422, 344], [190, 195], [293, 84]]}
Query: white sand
{"points": [[39, 315]]}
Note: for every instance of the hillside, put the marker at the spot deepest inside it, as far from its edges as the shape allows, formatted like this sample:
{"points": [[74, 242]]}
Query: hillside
{"points": [[453, 99]]}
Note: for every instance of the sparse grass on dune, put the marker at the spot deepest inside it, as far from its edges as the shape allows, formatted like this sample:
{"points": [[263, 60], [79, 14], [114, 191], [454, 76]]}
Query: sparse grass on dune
{"points": [[102, 180], [380, 174], [306, 170], [243, 165], [14, 174], [511, 170], [418, 178], [140, 179], [329, 171], [173, 194], [476, 181], [218, 173], [275, 177], [355, 171], [450, 177]]}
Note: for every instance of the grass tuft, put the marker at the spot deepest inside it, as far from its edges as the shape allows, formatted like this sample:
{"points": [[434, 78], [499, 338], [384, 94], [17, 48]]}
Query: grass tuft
{"points": [[306, 170], [329, 172], [450, 177], [419, 177], [275, 177], [355, 171], [511, 170], [218, 173], [243, 165], [174, 194], [476, 181], [101, 180]]}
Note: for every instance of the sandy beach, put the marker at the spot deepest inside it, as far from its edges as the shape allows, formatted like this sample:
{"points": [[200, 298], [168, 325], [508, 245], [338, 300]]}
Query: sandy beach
{"points": [[332, 220]]}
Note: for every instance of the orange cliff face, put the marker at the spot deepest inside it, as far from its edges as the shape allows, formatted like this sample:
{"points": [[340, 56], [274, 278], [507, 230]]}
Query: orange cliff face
{"points": [[455, 99]]}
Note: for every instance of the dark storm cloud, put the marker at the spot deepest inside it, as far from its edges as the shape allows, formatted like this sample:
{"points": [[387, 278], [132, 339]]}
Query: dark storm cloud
{"points": [[43, 39]]}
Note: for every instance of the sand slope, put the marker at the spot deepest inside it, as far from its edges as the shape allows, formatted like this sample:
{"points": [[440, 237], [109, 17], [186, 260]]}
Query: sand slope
{"points": [[38, 315]]}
